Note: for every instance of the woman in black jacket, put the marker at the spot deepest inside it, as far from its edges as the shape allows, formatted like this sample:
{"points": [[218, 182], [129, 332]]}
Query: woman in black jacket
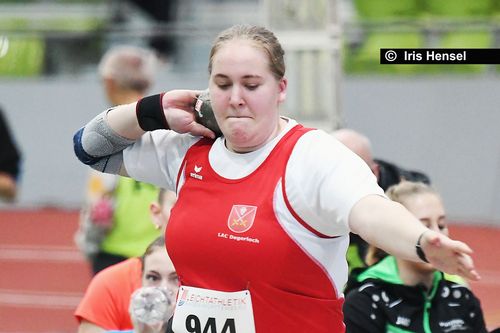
{"points": [[402, 296]]}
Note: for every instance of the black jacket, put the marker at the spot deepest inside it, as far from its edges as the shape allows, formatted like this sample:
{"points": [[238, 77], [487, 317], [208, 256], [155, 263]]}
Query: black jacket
{"points": [[377, 301]]}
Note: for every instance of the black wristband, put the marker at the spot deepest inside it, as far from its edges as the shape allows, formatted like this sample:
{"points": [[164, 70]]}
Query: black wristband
{"points": [[420, 252], [150, 115]]}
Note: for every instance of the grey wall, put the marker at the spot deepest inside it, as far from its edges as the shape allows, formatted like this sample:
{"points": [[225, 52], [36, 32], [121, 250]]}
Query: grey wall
{"points": [[44, 115], [447, 127]]}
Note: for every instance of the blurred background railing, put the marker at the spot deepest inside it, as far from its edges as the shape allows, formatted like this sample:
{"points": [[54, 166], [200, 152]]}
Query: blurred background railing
{"points": [[51, 37], [60, 37]]}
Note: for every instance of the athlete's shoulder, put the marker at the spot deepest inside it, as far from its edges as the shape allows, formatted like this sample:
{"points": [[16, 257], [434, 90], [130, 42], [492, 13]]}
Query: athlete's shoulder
{"points": [[320, 144]]}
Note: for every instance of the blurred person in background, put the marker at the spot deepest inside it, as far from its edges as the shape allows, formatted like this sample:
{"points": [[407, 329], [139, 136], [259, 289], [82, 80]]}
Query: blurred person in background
{"points": [[10, 162], [164, 15], [105, 305], [398, 295], [114, 222], [387, 174]]}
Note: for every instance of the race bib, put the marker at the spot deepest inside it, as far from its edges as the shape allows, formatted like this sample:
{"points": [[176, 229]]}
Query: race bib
{"points": [[208, 311]]}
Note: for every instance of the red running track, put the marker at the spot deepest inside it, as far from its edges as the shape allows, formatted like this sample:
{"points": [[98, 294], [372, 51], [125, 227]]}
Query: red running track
{"points": [[43, 276]]}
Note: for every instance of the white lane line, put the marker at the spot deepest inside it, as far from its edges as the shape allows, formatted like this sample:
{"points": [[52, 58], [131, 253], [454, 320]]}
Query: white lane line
{"points": [[40, 253], [35, 299]]}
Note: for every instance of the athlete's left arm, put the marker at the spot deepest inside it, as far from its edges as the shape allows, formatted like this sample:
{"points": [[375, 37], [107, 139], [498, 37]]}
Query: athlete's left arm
{"points": [[324, 179], [391, 227]]}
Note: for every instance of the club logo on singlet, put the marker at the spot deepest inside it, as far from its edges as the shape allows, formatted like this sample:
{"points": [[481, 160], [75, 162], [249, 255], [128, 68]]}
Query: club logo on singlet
{"points": [[241, 218]]}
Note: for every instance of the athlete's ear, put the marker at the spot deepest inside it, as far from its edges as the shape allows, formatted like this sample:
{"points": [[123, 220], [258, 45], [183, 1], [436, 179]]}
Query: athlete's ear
{"points": [[282, 85]]}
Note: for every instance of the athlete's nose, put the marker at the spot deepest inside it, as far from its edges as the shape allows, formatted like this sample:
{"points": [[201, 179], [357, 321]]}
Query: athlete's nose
{"points": [[236, 98]]}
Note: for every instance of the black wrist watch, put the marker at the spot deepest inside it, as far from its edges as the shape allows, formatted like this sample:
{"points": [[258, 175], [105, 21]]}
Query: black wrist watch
{"points": [[418, 248]]}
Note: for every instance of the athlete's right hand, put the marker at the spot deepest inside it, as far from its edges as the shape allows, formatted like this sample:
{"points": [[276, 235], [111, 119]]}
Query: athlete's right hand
{"points": [[178, 106]]}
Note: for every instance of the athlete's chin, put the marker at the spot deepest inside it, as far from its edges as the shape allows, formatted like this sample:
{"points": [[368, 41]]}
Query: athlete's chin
{"points": [[240, 140]]}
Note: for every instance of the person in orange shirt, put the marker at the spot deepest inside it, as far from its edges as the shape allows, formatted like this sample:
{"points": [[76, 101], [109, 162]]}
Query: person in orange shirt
{"points": [[105, 305]]}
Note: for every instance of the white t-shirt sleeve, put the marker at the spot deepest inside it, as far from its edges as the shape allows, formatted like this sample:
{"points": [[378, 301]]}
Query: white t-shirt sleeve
{"points": [[157, 156], [324, 180]]}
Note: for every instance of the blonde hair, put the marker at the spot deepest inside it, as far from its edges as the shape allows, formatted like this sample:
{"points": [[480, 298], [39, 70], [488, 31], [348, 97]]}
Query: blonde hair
{"points": [[406, 189], [130, 67], [398, 193], [262, 37]]}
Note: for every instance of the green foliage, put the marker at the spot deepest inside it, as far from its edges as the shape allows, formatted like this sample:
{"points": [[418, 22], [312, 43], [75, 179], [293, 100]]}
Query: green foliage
{"points": [[459, 39], [53, 24], [459, 8], [366, 59], [21, 56], [387, 9], [441, 17]]}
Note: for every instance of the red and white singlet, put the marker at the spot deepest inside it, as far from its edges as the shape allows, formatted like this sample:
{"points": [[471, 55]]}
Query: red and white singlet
{"points": [[226, 235]]}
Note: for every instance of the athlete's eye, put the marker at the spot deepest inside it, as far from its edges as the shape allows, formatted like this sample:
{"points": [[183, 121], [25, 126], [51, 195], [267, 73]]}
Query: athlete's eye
{"points": [[223, 85], [252, 86]]}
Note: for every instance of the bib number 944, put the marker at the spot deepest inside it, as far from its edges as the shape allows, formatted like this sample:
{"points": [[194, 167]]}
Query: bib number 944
{"points": [[194, 325], [201, 310]]}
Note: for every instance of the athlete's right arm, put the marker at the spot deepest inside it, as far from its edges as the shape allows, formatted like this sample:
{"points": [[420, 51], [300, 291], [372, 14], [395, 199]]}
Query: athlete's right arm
{"points": [[100, 143], [100, 147]]}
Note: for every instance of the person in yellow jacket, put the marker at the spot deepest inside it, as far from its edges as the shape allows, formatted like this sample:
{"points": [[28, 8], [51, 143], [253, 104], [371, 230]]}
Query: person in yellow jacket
{"points": [[115, 223]]}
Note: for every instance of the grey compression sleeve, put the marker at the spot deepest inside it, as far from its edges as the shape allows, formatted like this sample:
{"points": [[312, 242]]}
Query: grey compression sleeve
{"points": [[99, 147]]}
